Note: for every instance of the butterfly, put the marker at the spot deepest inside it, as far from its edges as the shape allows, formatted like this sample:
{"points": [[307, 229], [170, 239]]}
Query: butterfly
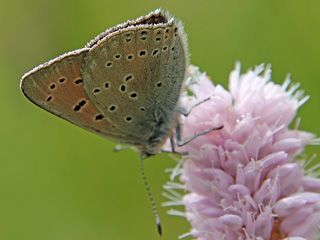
{"points": [[124, 85]]}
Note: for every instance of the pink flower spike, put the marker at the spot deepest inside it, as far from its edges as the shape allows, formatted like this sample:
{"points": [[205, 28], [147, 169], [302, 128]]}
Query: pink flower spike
{"points": [[244, 181], [295, 238], [233, 222]]}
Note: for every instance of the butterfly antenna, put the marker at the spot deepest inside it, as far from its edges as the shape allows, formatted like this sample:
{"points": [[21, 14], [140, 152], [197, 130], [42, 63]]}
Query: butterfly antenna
{"points": [[150, 196]]}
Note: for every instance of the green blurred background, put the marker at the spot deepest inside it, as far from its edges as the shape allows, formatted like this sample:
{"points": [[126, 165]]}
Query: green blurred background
{"points": [[58, 181]]}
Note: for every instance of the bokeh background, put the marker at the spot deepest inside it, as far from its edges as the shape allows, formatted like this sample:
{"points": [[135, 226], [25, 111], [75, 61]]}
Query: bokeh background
{"points": [[58, 181]]}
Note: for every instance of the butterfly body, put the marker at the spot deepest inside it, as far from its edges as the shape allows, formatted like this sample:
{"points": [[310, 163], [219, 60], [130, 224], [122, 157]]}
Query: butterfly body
{"points": [[125, 85]]}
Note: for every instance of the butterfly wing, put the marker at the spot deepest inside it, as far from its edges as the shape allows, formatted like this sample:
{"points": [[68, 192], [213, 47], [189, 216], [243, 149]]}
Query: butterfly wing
{"points": [[57, 86], [125, 85], [134, 76]]}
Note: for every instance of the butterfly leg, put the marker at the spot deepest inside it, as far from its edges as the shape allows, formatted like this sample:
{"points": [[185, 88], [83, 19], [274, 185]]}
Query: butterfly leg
{"points": [[186, 113], [178, 135], [172, 144], [178, 129], [119, 148]]}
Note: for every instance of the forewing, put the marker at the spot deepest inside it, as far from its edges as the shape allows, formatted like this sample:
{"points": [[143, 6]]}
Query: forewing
{"points": [[57, 86]]}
